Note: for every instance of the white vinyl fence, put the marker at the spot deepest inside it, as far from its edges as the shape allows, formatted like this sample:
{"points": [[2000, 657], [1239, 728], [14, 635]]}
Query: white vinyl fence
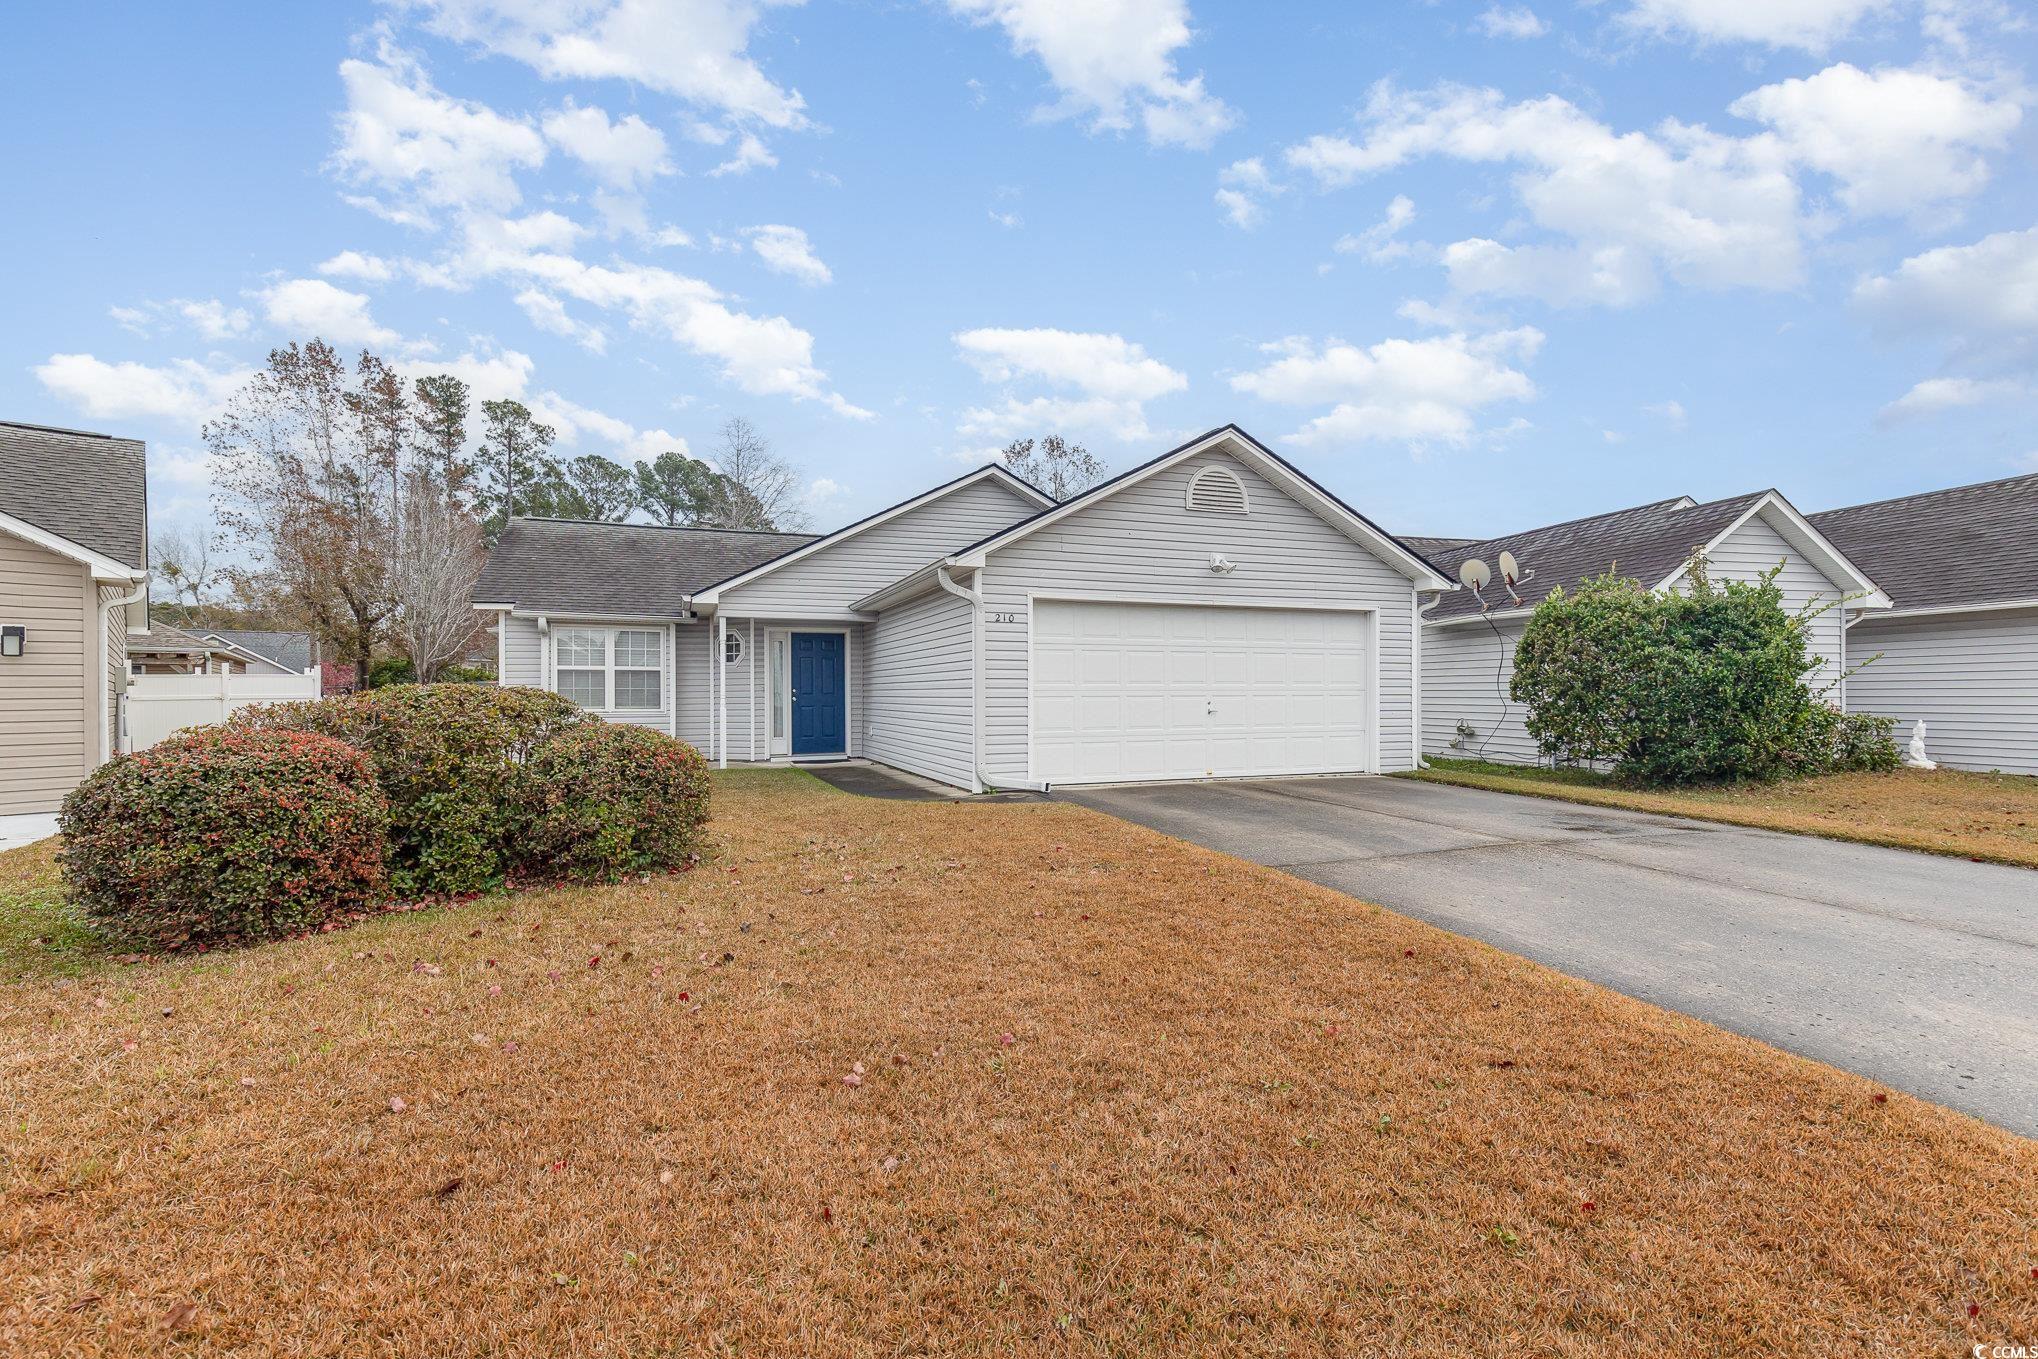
{"points": [[156, 705]]}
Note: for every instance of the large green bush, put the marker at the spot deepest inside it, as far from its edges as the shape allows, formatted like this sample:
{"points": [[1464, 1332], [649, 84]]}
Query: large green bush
{"points": [[217, 836], [450, 759], [606, 799], [1707, 685]]}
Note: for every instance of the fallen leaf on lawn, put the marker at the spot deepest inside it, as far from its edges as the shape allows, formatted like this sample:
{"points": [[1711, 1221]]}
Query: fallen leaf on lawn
{"points": [[181, 1317], [449, 1188], [665, 1177], [1006, 1040], [396, 1104], [852, 1080], [247, 1081]]}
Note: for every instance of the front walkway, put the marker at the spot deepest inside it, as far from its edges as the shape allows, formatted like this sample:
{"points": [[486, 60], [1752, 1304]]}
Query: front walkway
{"points": [[26, 829], [1911, 969]]}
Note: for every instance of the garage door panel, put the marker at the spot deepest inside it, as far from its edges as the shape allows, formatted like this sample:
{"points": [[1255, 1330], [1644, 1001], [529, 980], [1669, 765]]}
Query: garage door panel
{"points": [[1150, 691]]}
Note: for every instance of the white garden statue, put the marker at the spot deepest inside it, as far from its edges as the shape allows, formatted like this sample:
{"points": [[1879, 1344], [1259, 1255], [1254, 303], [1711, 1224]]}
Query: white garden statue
{"points": [[1915, 757]]}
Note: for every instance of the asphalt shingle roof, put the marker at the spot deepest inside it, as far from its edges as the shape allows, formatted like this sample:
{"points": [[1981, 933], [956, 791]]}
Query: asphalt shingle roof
{"points": [[291, 650], [1968, 545], [1647, 542], [642, 570], [1432, 548], [91, 489], [163, 637]]}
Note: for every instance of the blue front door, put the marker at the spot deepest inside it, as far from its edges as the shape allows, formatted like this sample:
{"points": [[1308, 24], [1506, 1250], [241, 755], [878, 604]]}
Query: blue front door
{"points": [[820, 696]]}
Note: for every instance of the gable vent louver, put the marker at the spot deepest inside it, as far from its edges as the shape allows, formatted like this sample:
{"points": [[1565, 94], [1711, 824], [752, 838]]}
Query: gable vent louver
{"points": [[1217, 490]]}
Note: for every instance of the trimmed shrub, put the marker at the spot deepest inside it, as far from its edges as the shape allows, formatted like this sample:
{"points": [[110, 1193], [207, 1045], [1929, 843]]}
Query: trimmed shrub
{"points": [[450, 759], [606, 799], [217, 836], [1836, 742]]}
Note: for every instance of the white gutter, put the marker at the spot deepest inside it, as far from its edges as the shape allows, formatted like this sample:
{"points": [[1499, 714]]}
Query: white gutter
{"points": [[107, 719], [979, 784], [1420, 763]]}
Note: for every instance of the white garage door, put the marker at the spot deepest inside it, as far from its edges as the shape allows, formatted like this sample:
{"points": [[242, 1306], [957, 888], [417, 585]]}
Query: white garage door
{"points": [[1172, 691]]}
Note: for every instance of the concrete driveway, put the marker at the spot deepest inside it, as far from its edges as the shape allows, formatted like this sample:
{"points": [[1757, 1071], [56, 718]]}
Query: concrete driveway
{"points": [[1917, 971]]}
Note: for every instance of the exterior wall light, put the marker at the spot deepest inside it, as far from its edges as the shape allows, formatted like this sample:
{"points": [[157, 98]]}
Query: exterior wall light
{"points": [[13, 639]]}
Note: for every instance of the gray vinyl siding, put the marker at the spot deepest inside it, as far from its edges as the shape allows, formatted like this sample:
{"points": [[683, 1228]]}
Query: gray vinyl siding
{"points": [[918, 663], [1143, 543], [1972, 678], [522, 652], [694, 644], [1459, 667], [834, 577], [115, 623], [47, 718], [1754, 548]]}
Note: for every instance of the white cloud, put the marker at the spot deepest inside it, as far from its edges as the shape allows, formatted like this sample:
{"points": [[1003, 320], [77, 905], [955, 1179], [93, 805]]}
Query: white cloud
{"points": [[1813, 25], [1113, 61], [1011, 221], [786, 250], [399, 134], [306, 308], [1709, 210], [504, 376], [549, 314], [184, 390], [1419, 392], [578, 425], [623, 155], [212, 318], [1980, 301], [1671, 412], [1984, 293], [1511, 21], [354, 264], [824, 491], [1934, 396], [764, 355], [1243, 188], [750, 154], [1105, 381], [135, 320], [695, 50], [1895, 139], [1377, 243]]}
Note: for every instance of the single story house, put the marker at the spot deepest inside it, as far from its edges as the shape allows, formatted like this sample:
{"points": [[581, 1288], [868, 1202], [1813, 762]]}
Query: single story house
{"points": [[1959, 649], [1212, 612], [1468, 648], [73, 580]]}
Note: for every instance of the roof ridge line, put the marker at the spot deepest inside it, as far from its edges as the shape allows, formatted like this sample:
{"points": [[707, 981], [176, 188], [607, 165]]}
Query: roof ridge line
{"points": [[1921, 495], [1581, 519]]}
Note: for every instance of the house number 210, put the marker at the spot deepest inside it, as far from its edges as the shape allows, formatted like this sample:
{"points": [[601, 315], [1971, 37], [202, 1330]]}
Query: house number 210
{"points": [[1002, 617]]}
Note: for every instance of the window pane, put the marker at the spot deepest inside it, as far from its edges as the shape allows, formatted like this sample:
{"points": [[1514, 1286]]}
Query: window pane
{"points": [[637, 689], [777, 688], [637, 648], [583, 687], [581, 646]]}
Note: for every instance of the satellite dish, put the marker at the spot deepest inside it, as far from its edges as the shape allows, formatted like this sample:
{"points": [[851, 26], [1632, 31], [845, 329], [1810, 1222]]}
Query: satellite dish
{"points": [[1474, 574], [1510, 569]]}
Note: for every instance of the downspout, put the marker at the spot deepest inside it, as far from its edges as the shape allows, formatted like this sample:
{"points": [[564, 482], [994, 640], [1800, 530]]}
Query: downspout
{"points": [[976, 618], [107, 719], [1421, 763]]}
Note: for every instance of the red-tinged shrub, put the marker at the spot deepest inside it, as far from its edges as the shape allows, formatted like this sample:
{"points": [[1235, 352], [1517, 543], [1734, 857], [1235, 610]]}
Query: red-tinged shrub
{"points": [[606, 799], [450, 758], [221, 836]]}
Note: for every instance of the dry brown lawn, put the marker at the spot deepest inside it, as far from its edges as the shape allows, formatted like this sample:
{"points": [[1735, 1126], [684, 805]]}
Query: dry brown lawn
{"points": [[1991, 817], [1113, 1095]]}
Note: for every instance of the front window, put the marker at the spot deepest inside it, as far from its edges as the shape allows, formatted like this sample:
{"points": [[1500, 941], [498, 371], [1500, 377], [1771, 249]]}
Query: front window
{"points": [[613, 669]]}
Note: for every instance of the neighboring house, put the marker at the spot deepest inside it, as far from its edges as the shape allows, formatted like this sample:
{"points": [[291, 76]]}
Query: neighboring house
{"points": [[1468, 651], [1960, 648], [1213, 612], [160, 649], [73, 573], [246, 651]]}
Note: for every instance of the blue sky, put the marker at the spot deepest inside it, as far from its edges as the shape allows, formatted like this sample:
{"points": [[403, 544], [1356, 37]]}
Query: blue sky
{"points": [[1474, 266]]}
